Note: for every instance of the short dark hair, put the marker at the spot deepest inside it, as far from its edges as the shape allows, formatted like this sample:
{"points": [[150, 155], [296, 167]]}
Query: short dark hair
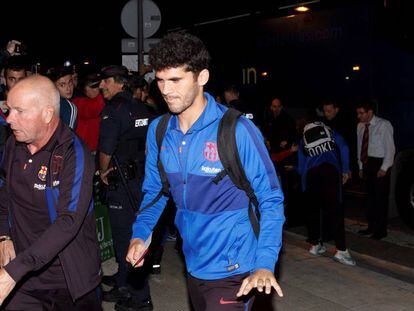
{"points": [[137, 82], [328, 102], [180, 49], [14, 63], [366, 104], [232, 88], [56, 73]]}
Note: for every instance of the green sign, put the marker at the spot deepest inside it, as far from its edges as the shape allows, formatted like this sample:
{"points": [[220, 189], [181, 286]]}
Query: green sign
{"points": [[103, 230]]}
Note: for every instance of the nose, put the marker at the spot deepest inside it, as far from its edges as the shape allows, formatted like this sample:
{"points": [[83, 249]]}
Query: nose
{"points": [[165, 87], [10, 117]]}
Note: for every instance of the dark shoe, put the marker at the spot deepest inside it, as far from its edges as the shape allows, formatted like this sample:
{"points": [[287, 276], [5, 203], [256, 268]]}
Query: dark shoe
{"points": [[365, 232], [378, 236], [131, 305], [109, 280], [116, 294], [156, 269]]}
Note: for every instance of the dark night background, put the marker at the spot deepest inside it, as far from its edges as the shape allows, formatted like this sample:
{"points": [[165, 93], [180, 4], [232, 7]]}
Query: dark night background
{"points": [[306, 58], [54, 31], [57, 30]]}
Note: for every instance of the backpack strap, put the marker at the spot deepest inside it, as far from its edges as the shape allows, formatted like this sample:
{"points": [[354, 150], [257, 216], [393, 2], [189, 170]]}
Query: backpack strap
{"points": [[230, 159], [159, 136]]}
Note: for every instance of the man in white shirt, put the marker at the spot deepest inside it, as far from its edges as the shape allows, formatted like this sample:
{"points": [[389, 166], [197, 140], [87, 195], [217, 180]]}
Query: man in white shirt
{"points": [[375, 154]]}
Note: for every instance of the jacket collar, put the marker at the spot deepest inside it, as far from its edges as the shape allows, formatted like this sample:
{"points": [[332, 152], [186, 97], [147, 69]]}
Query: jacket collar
{"points": [[374, 120], [120, 96], [61, 135]]}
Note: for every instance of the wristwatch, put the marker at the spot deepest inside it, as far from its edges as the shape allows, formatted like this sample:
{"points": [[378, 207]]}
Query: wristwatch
{"points": [[4, 238]]}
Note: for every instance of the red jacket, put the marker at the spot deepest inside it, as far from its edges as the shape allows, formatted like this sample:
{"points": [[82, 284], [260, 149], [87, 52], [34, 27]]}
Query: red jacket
{"points": [[89, 111]]}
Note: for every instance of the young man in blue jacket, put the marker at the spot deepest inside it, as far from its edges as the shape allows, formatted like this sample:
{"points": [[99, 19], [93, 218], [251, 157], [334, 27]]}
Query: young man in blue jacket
{"points": [[324, 166], [224, 259]]}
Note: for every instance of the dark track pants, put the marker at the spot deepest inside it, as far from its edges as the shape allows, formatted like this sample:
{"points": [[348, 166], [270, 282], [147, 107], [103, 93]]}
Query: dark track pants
{"points": [[121, 217], [53, 299], [323, 185], [218, 295]]}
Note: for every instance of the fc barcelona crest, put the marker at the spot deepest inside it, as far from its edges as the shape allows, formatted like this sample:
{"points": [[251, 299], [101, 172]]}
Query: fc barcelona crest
{"points": [[42, 173], [210, 151]]}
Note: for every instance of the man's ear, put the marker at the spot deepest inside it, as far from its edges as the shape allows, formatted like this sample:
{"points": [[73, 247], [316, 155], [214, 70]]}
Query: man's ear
{"points": [[48, 114], [203, 77]]}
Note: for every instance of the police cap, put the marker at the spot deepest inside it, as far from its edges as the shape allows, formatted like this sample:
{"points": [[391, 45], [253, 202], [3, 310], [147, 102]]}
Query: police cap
{"points": [[114, 71]]}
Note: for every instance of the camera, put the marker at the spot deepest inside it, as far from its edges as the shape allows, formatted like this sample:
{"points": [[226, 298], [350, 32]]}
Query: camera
{"points": [[19, 48]]}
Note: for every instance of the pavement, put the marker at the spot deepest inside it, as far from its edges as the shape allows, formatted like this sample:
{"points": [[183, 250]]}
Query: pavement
{"points": [[382, 280], [379, 281], [393, 255]]}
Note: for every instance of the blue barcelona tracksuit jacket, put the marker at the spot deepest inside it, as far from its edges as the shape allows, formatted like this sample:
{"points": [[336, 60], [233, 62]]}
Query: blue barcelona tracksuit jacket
{"points": [[338, 158], [218, 238]]}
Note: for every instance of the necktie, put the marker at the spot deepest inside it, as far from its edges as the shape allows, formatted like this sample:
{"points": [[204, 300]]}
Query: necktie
{"points": [[364, 146]]}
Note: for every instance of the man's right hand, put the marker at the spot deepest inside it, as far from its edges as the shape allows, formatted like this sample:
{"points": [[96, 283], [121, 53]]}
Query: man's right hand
{"points": [[11, 47], [7, 252], [361, 174], [136, 251], [104, 175], [6, 285]]}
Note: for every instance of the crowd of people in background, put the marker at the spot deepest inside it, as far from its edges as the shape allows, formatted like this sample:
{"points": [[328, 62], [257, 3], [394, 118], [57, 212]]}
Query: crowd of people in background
{"points": [[100, 104]]}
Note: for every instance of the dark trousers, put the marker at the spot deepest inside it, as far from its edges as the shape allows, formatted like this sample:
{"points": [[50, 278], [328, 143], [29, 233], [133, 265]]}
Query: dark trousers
{"points": [[164, 226], [53, 299], [218, 295], [325, 213], [121, 216], [377, 189]]}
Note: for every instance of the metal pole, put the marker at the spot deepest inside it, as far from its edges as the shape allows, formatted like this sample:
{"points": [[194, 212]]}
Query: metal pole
{"points": [[140, 37]]}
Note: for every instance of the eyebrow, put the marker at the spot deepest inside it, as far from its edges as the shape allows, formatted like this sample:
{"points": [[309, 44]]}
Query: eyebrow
{"points": [[169, 79]]}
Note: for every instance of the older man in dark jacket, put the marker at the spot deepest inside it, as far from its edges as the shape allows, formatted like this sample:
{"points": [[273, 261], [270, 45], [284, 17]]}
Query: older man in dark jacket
{"points": [[48, 243]]}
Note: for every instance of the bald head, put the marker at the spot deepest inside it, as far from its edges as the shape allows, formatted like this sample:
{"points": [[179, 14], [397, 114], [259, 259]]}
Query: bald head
{"points": [[40, 90], [276, 106], [33, 111]]}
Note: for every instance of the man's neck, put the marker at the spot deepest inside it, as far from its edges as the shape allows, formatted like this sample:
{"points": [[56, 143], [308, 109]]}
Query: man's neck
{"points": [[370, 120], [36, 146], [187, 118]]}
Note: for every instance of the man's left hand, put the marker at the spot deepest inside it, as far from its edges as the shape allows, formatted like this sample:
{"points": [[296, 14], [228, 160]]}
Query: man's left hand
{"points": [[260, 279], [345, 178], [283, 144], [381, 173], [6, 285]]}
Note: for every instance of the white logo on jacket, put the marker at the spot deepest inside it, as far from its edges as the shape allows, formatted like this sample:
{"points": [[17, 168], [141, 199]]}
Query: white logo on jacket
{"points": [[39, 186], [210, 170], [141, 122]]}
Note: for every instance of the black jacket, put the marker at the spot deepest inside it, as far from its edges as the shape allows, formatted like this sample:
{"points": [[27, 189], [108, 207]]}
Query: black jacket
{"points": [[71, 234]]}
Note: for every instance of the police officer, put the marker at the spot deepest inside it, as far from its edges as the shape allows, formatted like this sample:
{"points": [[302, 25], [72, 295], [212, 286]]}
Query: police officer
{"points": [[123, 129]]}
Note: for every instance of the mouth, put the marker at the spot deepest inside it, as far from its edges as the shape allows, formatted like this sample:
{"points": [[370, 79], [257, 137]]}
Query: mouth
{"points": [[170, 99]]}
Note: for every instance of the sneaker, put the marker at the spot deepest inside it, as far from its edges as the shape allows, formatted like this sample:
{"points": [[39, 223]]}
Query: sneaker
{"points": [[156, 269], [109, 280], [344, 257], [116, 294], [132, 305], [317, 249], [171, 237], [365, 232], [378, 236]]}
